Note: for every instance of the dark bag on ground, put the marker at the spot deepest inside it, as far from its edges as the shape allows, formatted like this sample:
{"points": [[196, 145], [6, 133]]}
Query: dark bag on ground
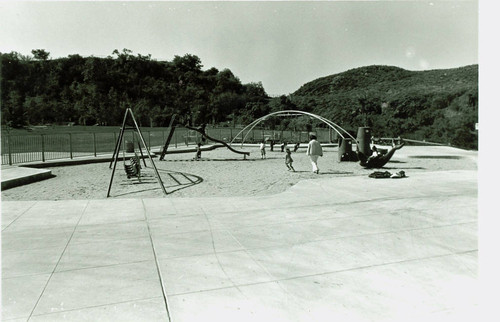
{"points": [[380, 174]]}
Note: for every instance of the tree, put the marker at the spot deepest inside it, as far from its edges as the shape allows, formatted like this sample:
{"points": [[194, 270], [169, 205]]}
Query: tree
{"points": [[40, 54], [227, 82], [13, 110]]}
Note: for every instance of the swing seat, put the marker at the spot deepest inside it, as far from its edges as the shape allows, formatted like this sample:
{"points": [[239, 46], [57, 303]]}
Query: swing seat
{"points": [[134, 168]]}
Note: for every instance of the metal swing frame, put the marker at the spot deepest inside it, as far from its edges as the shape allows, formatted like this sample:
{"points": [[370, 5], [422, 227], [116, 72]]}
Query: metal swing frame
{"points": [[116, 152]]}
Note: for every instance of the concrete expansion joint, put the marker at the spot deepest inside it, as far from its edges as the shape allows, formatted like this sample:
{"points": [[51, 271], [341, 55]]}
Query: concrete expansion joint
{"points": [[58, 261], [92, 307], [329, 272], [385, 232], [157, 263]]}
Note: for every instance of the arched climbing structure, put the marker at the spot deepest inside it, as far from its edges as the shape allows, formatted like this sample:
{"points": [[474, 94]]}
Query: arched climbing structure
{"points": [[331, 124]]}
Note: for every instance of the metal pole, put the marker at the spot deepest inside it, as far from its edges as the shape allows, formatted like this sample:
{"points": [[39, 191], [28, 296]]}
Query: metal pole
{"points": [[43, 148], [117, 150], [150, 157], [140, 150], [70, 147], [95, 146], [122, 132], [8, 149]]}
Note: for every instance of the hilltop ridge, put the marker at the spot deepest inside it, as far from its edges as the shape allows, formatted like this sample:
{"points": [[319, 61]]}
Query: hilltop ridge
{"points": [[383, 77], [439, 104]]}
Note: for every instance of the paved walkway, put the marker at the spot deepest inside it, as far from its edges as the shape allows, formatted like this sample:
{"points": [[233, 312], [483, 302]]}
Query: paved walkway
{"points": [[350, 248]]}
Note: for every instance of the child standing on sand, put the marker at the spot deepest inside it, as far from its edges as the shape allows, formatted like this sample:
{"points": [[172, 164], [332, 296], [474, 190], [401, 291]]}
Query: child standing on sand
{"points": [[289, 160], [197, 156], [263, 149]]}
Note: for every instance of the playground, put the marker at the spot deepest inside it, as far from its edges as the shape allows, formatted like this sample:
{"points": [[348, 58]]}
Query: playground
{"points": [[233, 237], [221, 169], [221, 173]]}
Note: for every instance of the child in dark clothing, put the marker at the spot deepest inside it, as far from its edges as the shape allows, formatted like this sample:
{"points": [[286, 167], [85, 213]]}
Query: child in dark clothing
{"points": [[198, 152], [289, 160]]}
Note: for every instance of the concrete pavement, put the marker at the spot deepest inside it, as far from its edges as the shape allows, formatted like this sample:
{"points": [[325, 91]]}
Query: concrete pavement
{"points": [[349, 248], [16, 176]]}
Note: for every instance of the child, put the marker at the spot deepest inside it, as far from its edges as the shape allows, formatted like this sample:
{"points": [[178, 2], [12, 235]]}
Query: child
{"points": [[374, 154], [263, 149], [198, 152], [289, 160]]}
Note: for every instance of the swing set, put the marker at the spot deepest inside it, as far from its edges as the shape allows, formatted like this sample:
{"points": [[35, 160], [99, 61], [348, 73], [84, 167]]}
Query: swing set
{"points": [[133, 169]]}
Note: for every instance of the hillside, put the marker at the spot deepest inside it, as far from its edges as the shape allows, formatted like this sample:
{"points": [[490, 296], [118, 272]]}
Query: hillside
{"points": [[435, 105], [391, 79]]}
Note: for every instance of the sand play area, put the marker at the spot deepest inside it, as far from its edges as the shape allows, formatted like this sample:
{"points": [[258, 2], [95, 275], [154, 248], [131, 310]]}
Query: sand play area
{"points": [[224, 173]]}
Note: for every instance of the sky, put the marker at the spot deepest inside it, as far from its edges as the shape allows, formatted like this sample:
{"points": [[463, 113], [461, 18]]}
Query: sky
{"points": [[281, 44]]}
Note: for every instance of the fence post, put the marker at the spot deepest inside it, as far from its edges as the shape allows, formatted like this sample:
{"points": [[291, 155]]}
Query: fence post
{"points": [[43, 148], [149, 140], [95, 146], [70, 147], [8, 149]]}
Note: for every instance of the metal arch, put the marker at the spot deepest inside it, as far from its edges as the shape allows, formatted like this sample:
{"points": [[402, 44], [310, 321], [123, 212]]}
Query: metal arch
{"points": [[337, 128]]}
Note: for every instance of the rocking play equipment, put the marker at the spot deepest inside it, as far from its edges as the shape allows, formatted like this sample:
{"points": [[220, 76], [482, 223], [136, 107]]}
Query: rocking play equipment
{"points": [[132, 169], [378, 161]]}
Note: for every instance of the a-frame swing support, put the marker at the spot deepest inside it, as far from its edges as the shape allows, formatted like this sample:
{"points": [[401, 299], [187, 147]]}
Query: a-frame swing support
{"points": [[169, 138], [119, 143]]}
